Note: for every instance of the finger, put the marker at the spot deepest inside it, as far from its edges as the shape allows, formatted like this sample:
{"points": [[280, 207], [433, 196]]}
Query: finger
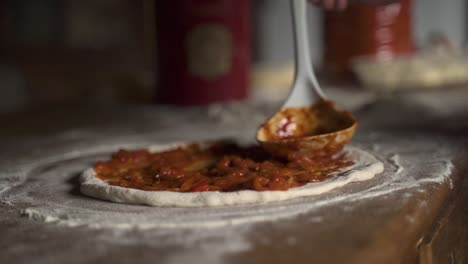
{"points": [[315, 2], [341, 4], [328, 4]]}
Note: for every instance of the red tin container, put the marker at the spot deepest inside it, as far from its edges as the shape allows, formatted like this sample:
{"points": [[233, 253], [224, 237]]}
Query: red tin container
{"points": [[382, 31], [203, 51]]}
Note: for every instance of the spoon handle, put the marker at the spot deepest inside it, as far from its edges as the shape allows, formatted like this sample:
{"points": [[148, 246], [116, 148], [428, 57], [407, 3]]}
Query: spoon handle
{"points": [[305, 85]]}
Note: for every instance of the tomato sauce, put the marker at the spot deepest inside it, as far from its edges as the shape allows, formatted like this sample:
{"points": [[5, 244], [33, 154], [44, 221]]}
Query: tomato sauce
{"points": [[298, 122], [223, 166]]}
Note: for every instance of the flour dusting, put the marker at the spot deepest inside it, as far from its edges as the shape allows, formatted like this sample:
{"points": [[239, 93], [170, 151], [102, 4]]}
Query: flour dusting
{"points": [[395, 159], [50, 194], [44, 185]]}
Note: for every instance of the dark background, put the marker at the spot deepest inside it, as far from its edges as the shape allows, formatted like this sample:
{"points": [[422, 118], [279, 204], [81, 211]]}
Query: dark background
{"points": [[64, 51]]}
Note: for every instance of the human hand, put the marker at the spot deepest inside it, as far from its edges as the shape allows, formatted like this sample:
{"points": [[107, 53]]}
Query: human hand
{"points": [[331, 4], [342, 4]]}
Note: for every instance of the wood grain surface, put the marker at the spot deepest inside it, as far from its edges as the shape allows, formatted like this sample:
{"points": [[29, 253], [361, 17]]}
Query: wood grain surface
{"points": [[428, 227]]}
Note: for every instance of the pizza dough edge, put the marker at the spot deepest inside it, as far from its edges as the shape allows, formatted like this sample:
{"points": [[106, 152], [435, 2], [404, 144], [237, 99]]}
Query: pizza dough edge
{"points": [[365, 168]]}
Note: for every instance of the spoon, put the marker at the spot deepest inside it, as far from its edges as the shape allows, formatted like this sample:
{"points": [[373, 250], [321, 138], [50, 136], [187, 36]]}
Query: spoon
{"points": [[307, 123]]}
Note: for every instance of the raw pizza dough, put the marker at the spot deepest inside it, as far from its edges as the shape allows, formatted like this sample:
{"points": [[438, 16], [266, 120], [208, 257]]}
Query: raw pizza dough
{"points": [[365, 167]]}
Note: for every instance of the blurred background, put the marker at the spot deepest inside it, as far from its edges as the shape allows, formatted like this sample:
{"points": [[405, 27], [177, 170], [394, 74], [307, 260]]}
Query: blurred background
{"points": [[60, 52]]}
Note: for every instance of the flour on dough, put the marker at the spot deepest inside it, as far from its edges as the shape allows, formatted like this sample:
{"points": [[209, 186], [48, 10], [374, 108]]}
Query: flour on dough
{"points": [[365, 167]]}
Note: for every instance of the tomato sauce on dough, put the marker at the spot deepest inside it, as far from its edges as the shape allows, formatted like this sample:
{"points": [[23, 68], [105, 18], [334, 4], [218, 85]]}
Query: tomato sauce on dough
{"points": [[222, 166]]}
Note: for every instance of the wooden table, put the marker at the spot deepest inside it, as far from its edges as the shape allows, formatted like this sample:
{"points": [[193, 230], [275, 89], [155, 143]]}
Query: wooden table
{"points": [[380, 230]]}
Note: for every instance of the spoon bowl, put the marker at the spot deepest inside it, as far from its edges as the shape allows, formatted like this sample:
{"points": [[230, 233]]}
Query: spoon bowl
{"points": [[316, 131], [307, 124]]}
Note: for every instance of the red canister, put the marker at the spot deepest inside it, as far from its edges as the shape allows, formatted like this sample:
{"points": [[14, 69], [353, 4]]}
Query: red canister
{"points": [[382, 31], [203, 50]]}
